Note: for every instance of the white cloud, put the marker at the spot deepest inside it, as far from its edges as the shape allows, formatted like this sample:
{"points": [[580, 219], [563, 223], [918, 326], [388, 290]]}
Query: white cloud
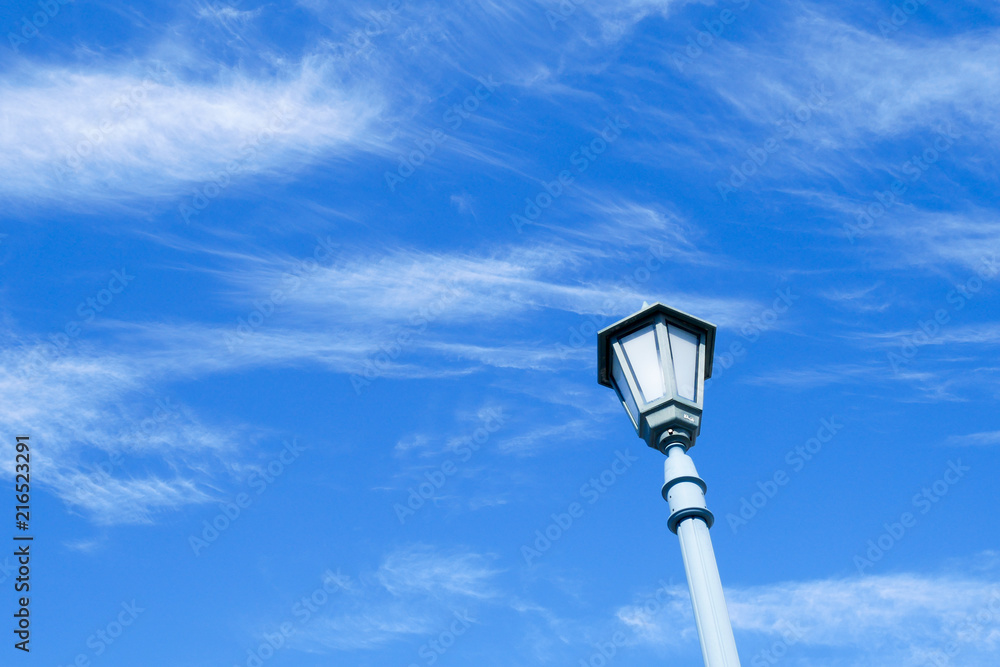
{"points": [[861, 299], [646, 620], [89, 401], [424, 571], [828, 374], [417, 288], [886, 100], [415, 312], [619, 18], [946, 334], [111, 132], [536, 439], [455, 309], [113, 500], [895, 619], [983, 439], [966, 240], [880, 87], [417, 590], [227, 14], [92, 416]]}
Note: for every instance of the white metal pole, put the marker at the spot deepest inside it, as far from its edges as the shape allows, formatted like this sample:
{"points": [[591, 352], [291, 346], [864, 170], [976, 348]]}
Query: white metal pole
{"points": [[684, 490], [718, 645]]}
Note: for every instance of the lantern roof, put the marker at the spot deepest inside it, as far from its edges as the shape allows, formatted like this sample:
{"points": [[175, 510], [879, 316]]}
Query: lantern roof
{"points": [[642, 318]]}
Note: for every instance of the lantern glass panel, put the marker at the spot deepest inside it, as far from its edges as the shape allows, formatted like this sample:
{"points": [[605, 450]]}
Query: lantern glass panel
{"points": [[621, 384], [643, 353], [684, 351]]}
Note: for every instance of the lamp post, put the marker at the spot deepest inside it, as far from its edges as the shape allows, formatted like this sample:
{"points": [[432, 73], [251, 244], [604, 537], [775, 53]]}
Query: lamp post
{"points": [[657, 361]]}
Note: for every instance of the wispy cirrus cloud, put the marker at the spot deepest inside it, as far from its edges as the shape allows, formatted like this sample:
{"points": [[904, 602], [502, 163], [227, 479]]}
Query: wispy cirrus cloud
{"points": [[899, 619], [882, 87], [987, 333], [963, 242], [861, 299], [89, 413], [396, 286], [448, 305], [884, 98], [417, 590], [110, 132], [830, 374], [86, 399], [422, 570], [982, 439], [931, 381]]}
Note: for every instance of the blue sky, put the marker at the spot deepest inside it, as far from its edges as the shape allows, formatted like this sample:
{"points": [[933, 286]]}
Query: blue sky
{"points": [[299, 306]]}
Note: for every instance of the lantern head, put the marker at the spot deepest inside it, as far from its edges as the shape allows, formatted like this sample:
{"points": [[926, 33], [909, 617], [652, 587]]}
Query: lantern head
{"points": [[658, 360]]}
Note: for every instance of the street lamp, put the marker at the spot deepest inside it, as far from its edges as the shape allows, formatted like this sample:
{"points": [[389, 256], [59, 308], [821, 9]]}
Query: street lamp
{"points": [[657, 361]]}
